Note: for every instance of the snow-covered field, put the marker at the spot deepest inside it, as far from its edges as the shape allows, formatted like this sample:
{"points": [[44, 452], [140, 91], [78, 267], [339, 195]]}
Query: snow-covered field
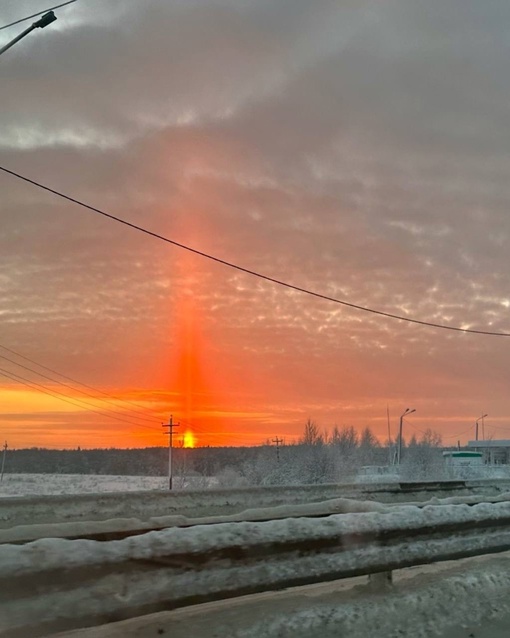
{"points": [[48, 484]]}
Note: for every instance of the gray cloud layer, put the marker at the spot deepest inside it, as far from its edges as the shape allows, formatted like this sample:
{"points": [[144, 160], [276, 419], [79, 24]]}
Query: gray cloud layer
{"points": [[356, 148]]}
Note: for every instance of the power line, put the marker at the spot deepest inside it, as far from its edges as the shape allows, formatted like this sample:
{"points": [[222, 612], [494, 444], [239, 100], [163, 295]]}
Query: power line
{"points": [[80, 403], [196, 428], [454, 436], [66, 385], [11, 24], [201, 431], [254, 273], [499, 427], [451, 436], [62, 397], [18, 354]]}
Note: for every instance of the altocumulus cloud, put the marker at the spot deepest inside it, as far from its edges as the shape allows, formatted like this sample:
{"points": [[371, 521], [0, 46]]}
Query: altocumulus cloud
{"points": [[356, 148]]}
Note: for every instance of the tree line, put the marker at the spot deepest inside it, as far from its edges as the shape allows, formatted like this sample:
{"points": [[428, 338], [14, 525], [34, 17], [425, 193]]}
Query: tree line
{"points": [[318, 456]]}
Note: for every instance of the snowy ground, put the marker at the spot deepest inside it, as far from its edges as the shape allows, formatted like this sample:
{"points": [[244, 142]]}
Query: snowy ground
{"points": [[50, 484]]}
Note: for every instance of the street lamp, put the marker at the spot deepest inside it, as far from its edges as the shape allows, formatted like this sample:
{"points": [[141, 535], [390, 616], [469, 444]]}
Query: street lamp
{"points": [[406, 413], [44, 21], [481, 418]]}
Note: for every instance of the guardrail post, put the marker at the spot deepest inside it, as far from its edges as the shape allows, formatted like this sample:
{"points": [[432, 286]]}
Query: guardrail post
{"points": [[380, 580]]}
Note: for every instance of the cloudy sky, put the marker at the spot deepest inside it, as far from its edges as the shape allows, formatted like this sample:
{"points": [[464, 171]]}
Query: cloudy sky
{"points": [[356, 148]]}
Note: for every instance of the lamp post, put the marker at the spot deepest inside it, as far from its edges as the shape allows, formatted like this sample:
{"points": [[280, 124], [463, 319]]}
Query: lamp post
{"points": [[46, 19], [481, 418], [406, 413]]}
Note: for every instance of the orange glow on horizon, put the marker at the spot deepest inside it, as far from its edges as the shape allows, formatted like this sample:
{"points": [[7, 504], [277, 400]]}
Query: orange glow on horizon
{"points": [[32, 419]]}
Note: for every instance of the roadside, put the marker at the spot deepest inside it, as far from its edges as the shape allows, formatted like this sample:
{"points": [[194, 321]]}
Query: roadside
{"points": [[463, 599], [488, 628]]}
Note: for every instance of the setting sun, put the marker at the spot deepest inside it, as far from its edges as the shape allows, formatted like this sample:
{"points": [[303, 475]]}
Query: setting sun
{"points": [[188, 439]]}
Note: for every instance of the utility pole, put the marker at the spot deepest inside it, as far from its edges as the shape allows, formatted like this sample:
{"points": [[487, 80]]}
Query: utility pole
{"points": [[278, 442], [170, 425], [3, 461]]}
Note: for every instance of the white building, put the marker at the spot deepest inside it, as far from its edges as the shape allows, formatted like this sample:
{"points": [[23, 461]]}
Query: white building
{"points": [[464, 463], [495, 452], [463, 458]]}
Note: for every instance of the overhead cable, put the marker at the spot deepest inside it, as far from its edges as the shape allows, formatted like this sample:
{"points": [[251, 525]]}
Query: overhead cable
{"points": [[248, 271], [67, 385], [109, 396], [11, 24], [62, 397]]}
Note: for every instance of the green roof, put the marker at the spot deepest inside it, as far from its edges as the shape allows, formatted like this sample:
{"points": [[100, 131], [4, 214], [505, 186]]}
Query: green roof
{"points": [[457, 454]]}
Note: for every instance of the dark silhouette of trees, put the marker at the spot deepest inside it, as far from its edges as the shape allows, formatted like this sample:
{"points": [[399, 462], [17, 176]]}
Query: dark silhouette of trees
{"points": [[317, 457]]}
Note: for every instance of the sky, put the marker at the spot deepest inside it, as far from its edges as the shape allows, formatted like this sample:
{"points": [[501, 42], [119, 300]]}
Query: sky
{"points": [[355, 148]]}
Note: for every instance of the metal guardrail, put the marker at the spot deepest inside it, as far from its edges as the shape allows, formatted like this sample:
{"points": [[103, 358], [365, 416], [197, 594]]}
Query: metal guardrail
{"points": [[53, 585], [119, 529], [29, 510]]}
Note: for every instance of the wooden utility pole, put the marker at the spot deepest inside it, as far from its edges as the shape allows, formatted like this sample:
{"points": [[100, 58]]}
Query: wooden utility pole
{"points": [[3, 461], [278, 442], [170, 425]]}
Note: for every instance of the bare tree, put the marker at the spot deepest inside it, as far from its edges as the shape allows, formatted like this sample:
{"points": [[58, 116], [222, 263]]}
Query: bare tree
{"points": [[312, 434], [344, 444], [423, 459]]}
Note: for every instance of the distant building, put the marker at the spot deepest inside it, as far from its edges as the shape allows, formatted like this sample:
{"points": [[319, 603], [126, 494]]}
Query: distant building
{"points": [[463, 458], [495, 452], [464, 464]]}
